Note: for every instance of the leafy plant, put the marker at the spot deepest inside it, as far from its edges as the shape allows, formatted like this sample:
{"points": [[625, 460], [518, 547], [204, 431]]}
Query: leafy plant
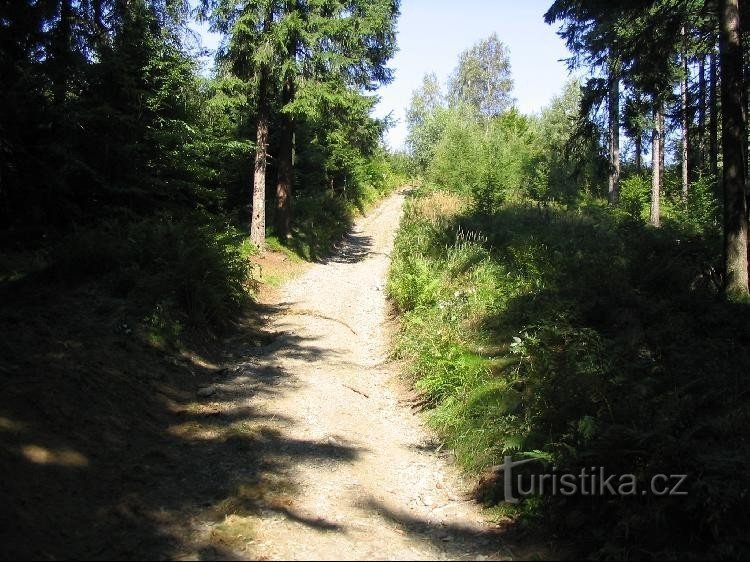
{"points": [[542, 332]]}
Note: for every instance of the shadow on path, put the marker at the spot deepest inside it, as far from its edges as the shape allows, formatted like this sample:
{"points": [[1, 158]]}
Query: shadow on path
{"points": [[108, 451], [456, 541], [353, 248]]}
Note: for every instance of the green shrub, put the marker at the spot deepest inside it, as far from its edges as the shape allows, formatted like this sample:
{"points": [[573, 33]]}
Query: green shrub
{"points": [[585, 338], [194, 266], [321, 220], [635, 196], [700, 213]]}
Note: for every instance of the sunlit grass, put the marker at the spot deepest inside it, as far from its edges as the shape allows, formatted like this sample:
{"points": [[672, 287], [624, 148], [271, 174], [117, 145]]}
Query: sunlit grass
{"points": [[582, 333]]}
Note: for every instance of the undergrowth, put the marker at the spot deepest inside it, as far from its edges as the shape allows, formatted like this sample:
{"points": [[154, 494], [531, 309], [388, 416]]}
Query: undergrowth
{"points": [[583, 337], [190, 271]]}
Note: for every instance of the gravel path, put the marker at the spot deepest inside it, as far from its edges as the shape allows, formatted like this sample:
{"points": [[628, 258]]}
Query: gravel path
{"points": [[367, 482]]}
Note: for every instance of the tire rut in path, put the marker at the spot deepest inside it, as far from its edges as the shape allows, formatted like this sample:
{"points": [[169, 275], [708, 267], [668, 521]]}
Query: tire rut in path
{"points": [[364, 480]]}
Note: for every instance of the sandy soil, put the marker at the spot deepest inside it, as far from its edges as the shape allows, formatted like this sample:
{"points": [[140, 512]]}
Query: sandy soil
{"points": [[365, 480]]}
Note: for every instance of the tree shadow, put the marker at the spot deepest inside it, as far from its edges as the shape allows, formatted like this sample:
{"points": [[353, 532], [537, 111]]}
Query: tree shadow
{"points": [[108, 449], [455, 541], [353, 249]]}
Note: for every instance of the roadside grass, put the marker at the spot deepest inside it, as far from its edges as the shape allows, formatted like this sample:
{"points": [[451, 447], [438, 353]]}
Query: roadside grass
{"points": [[582, 337], [275, 245]]}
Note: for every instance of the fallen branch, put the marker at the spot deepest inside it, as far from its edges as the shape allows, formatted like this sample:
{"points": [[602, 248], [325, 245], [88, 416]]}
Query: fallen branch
{"points": [[357, 391]]}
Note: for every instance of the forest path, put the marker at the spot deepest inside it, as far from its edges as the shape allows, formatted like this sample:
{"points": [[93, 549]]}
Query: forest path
{"points": [[350, 472]]}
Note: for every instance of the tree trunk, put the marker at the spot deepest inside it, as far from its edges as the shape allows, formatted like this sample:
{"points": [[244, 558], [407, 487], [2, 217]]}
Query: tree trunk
{"points": [[713, 125], [258, 220], [662, 142], [62, 45], [638, 151], [258, 216], [732, 140], [685, 121], [283, 221], [614, 135], [638, 140], [702, 113], [656, 149], [746, 116]]}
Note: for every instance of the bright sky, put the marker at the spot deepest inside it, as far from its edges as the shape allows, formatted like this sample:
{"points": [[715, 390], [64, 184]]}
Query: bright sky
{"points": [[432, 33]]}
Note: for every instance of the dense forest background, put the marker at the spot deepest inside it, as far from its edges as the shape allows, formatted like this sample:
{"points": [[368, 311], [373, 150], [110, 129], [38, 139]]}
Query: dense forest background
{"points": [[573, 284], [115, 147]]}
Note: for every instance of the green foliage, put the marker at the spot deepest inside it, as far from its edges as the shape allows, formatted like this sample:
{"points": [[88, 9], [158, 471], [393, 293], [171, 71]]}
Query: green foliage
{"points": [[509, 156], [344, 168], [513, 156], [482, 80], [321, 220], [162, 329], [698, 215], [111, 127], [426, 117], [542, 332], [122, 128], [323, 214], [635, 196], [455, 157], [508, 164], [190, 267], [701, 212], [570, 162], [109, 163]]}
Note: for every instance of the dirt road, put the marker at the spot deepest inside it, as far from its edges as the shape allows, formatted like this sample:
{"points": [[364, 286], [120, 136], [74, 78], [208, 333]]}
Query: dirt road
{"points": [[286, 439], [357, 475]]}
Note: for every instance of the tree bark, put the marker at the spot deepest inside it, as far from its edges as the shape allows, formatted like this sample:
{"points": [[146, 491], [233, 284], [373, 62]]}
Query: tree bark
{"points": [[284, 186], [285, 178], [656, 149], [662, 142], [62, 44], [732, 140], [701, 113], [713, 125], [614, 135], [638, 140], [638, 151], [684, 115], [258, 215], [258, 220]]}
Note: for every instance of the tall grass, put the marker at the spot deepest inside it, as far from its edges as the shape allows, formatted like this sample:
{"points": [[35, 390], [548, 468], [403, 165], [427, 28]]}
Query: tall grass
{"points": [[584, 337]]}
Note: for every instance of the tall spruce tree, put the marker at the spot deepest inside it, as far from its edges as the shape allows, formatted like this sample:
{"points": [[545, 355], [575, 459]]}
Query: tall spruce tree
{"points": [[304, 53], [340, 45], [648, 41], [733, 140]]}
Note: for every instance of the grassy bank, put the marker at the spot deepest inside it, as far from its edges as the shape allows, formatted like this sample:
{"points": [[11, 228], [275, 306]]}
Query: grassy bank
{"points": [[584, 338]]}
